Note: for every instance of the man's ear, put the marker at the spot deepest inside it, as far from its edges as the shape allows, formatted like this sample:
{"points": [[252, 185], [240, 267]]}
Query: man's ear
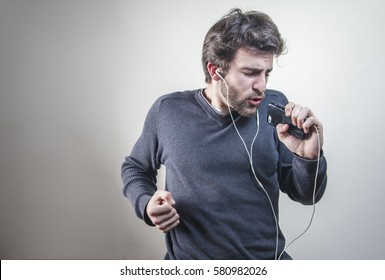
{"points": [[213, 71]]}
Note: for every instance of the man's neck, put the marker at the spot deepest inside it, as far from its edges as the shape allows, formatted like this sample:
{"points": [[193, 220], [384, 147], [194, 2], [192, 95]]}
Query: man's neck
{"points": [[212, 95]]}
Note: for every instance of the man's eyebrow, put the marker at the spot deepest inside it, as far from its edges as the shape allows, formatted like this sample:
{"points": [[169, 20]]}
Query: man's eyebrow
{"points": [[256, 69]]}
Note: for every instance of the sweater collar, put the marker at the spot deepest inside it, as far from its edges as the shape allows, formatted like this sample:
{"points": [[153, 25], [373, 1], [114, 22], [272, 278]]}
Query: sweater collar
{"points": [[222, 118]]}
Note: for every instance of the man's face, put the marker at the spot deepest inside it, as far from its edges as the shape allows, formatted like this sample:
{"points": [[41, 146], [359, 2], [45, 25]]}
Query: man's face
{"points": [[246, 79]]}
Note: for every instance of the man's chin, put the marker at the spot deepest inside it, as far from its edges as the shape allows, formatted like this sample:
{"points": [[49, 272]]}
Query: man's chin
{"points": [[248, 113]]}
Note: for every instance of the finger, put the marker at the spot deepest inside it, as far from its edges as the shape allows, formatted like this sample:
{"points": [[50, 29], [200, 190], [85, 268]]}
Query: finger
{"points": [[289, 108], [302, 116], [165, 221], [160, 209], [165, 196], [312, 122], [295, 113], [170, 226], [168, 222], [166, 216], [282, 128]]}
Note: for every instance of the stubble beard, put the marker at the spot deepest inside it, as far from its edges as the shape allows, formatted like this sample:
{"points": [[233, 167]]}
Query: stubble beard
{"points": [[241, 106]]}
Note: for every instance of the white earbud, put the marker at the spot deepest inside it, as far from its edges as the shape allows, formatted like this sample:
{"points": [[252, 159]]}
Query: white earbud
{"points": [[219, 75]]}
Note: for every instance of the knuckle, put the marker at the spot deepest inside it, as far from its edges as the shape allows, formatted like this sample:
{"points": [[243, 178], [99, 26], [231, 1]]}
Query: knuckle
{"points": [[150, 212], [156, 221], [161, 227]]}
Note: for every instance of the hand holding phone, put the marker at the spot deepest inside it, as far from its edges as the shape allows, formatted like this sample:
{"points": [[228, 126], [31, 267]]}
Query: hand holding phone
{"points": [[276, 115]]}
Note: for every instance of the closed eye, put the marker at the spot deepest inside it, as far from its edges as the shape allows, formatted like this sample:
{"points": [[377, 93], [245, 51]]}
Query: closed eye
{"points": [[256, 73], [249, 74]]}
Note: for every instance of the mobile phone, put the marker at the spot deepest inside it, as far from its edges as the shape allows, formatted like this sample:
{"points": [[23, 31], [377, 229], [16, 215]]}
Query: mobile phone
{"points": [[276, 115]]}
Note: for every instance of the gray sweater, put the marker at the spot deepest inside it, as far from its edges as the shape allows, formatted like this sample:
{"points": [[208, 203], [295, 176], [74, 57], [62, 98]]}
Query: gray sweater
{"points": [[224, 213]]}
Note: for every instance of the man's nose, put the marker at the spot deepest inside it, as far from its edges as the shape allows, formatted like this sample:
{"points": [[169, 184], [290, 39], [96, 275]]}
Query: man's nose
{"points": [[260, 83]]}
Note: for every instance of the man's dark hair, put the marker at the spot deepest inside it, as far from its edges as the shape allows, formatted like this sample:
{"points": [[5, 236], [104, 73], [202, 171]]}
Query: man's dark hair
{"points": [[253, 30]]}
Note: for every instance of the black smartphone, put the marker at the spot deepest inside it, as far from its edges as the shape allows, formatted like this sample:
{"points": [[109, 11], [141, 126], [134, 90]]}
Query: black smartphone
{"points": [[276, 115]]}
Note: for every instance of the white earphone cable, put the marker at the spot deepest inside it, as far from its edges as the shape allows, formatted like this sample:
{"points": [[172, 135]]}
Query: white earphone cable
{"points": [[249, 153], [251, 161], [314, 190]]}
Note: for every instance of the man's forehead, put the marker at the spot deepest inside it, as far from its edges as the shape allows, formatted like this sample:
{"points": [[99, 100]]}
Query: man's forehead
{"points": [[249, 58]]}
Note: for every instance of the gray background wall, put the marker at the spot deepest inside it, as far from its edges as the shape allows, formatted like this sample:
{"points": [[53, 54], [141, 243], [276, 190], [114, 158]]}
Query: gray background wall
{"points": [[77, 79]]}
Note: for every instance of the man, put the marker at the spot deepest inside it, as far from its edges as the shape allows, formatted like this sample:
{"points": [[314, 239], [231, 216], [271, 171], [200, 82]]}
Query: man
{"points": [[225, 165]]}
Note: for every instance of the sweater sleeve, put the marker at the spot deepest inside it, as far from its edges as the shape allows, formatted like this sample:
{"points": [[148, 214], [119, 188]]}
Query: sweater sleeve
{"points": [[297, 176], [140, 168]]}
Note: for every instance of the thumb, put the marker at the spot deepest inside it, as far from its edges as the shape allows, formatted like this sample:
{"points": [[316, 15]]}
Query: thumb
{"points": [[282, 130], [165, 196]]}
